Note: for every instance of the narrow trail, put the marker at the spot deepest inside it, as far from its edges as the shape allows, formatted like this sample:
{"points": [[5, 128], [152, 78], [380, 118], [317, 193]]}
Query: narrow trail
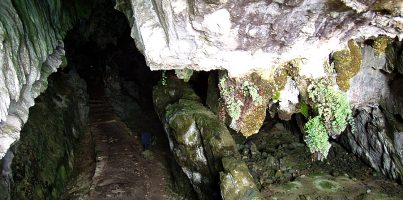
{"points": [[121, 171], [110, 163]]}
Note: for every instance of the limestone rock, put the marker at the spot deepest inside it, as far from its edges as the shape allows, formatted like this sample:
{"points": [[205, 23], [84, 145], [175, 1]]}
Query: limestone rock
{"points": [[245, 100], [45, 153], [197, 138], [372, 143], [30, 50], [288, 100], [245, 36], [376, 93], [236, 181]]}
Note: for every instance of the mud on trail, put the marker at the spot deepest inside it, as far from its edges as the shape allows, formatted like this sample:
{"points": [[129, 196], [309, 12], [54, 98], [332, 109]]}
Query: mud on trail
{"points": [[111, 163]]}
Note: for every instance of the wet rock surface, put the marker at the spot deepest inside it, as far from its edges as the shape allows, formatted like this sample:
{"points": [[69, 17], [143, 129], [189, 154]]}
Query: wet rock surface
{"points": [[283, 169], [31, 34], [44, 156], [236, 181], [199, 141]]}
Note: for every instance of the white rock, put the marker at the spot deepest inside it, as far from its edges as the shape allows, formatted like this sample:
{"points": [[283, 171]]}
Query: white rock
{"points": [[245, 36]]}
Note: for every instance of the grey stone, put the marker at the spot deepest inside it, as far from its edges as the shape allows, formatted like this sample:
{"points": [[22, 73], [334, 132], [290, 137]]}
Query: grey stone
{"points": [[198, 139], [236, 181], [245, 36]]}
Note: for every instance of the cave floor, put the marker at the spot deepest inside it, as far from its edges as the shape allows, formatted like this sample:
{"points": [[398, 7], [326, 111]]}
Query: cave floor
{"points": [[121, 170], [282, 167]]}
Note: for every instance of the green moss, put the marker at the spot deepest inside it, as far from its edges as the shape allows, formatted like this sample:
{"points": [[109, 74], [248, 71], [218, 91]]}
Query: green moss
{"points": [[249, 89], [232, 104], [334, 114], [331, 105], [62, 173], [347, 63], [326, 185], [317, 138], [304, 110], [41, 162], [292, 186], [276, 96], [381, 43]]}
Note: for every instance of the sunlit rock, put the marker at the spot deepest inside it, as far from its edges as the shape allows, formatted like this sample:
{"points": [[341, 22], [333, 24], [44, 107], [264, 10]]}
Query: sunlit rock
{"points": [[242, 37]]}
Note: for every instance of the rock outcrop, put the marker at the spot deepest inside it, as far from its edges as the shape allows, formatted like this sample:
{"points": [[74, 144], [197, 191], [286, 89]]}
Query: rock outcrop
{"points": [[31, 48], [245, 36], [199, 141], [43, 158], [376, 93]]}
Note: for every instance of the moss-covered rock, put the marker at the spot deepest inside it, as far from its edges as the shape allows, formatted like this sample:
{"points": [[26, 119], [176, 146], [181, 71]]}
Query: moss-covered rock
{"points": [[171, 92], [31, 34], [198, 139], [245, 99], [236, 181], [46, 148], [392, 7], [347, 64]]}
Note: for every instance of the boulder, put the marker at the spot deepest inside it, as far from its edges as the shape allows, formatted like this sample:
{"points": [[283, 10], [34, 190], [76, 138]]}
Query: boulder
{"points": [[236, 181], [197, 138]]}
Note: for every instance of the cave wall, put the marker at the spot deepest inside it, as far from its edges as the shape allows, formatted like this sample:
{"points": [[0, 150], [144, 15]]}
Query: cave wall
{"points": [[31, 48], [376, 94], [38, 165]]}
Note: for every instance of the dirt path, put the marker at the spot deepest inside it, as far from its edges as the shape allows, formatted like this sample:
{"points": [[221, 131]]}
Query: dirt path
{"points": [[121, 171]]}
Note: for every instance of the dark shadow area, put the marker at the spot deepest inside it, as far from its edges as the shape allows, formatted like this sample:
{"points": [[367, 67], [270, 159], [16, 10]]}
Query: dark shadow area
{"points": [[100, 49], [120, 84]]}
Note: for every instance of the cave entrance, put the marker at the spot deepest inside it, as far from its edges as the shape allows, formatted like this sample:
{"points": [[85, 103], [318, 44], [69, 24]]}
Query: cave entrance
{"points": [[130, 149]]}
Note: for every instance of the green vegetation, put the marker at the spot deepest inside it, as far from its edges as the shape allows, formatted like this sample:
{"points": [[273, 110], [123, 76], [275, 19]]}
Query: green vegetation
{"points": [[317, 138], [276, 96], [334, 114], [249, 89], [233, 105], [347, 63], [304, 109], [164, 78]]}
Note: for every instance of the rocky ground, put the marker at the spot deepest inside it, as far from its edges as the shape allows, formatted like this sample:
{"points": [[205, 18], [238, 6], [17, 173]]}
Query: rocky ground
{"points": [[281, 166], [280, 163]]}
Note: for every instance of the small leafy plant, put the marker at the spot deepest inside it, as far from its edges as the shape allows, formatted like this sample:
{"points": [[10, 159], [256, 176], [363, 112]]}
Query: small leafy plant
{"points": [[233, 105], [317, 138], [164, 78], [249, 89], [334, 115]]}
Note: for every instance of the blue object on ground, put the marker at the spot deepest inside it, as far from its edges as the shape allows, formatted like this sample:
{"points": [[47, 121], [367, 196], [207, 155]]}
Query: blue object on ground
{"points": [[146, 139]]}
